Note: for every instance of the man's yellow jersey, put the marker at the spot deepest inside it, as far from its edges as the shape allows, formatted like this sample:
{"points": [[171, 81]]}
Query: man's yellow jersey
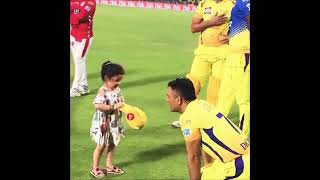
{"points": [[207, 9], [220, 137]]}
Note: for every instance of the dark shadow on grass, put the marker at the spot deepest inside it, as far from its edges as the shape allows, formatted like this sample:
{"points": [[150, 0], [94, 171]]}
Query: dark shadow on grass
{"points": [[156, 154], [148, 80]]}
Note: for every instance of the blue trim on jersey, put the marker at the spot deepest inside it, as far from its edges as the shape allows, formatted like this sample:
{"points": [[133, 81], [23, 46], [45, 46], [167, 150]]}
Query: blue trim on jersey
{"points": [[241, 122], [219, 115], [215, 152], [239, 168], [217, 141], [247, 59]]}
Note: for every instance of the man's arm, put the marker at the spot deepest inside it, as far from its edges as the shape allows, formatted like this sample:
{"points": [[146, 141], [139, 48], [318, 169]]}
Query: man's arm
{"points": [[194, 155], [105, 107], [198, 25], [82, 17]]}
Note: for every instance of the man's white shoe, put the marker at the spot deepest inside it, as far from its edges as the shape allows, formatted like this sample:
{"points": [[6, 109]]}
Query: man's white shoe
{"points": [[84, 89], [75, 92], [175, 124]]}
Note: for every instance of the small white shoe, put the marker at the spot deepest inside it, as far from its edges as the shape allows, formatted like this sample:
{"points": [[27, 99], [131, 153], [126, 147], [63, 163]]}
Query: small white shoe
{"points": [[75, 92], [175, 124], [84, 90]]}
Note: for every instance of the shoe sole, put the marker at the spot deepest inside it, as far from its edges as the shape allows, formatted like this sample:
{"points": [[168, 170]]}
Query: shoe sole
{"points": [[82, 93], [76, 95], [97, 176], [174, 126]]}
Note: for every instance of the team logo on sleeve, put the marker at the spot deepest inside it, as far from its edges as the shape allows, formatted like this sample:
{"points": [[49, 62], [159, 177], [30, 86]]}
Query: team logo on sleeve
{"points": [[245, 144], [186, 132], [207, 10], [76, 11]]}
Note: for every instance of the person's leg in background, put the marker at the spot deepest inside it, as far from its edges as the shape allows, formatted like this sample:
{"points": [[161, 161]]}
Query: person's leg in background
{"points": [[84, 76], [215, 81], [243, 94], [76, 49], [227, 92], [200, 70]]}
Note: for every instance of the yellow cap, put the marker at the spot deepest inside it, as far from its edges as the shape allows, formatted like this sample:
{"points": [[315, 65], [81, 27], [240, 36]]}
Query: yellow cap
{"points": [[135, 117]]}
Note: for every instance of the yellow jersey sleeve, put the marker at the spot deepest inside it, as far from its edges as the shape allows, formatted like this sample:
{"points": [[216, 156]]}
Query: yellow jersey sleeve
{"points": [[189, 133]]}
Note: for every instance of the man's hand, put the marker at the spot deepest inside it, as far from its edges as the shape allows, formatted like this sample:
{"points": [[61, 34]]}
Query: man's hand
{"points": [[223, 39], [217, 20], [198, 25], [194, 156], [84, 20], [119, 105]]}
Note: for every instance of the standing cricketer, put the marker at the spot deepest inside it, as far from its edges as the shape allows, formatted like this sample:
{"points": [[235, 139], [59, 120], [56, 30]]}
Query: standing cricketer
{"points": [[236, 76], [81, 20], [211, 20]]}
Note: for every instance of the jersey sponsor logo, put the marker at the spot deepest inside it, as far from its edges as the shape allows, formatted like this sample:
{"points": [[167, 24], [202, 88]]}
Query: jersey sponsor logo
{"points": [[207, 10], [186, 132], [76, 11], [88, 8], [245, 144]]}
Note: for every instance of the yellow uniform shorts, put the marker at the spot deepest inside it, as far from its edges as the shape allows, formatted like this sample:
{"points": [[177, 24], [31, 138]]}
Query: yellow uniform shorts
{"points": [[236, 169]]}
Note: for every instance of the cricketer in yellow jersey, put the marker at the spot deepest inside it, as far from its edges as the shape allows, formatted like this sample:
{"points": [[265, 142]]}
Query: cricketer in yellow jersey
{"points": [[211, 19], [236, 76], [204, 126]]}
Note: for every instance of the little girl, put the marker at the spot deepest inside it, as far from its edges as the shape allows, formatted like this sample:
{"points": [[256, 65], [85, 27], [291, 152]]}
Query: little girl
{"points": [[106, 129]]}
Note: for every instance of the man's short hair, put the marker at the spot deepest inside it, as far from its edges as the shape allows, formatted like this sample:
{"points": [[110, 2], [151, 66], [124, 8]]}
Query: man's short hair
{"points": [[184, 87]]}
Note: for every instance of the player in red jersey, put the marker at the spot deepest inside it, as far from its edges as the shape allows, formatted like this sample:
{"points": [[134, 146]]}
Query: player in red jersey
{"points": [[81, 20]]}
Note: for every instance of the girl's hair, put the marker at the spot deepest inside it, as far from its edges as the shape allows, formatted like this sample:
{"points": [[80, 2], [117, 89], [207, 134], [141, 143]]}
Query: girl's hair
{"points": [[110, 69]]}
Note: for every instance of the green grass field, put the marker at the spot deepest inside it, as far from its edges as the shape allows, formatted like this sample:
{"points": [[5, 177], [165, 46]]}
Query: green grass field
{"points": [[154, 47]]}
